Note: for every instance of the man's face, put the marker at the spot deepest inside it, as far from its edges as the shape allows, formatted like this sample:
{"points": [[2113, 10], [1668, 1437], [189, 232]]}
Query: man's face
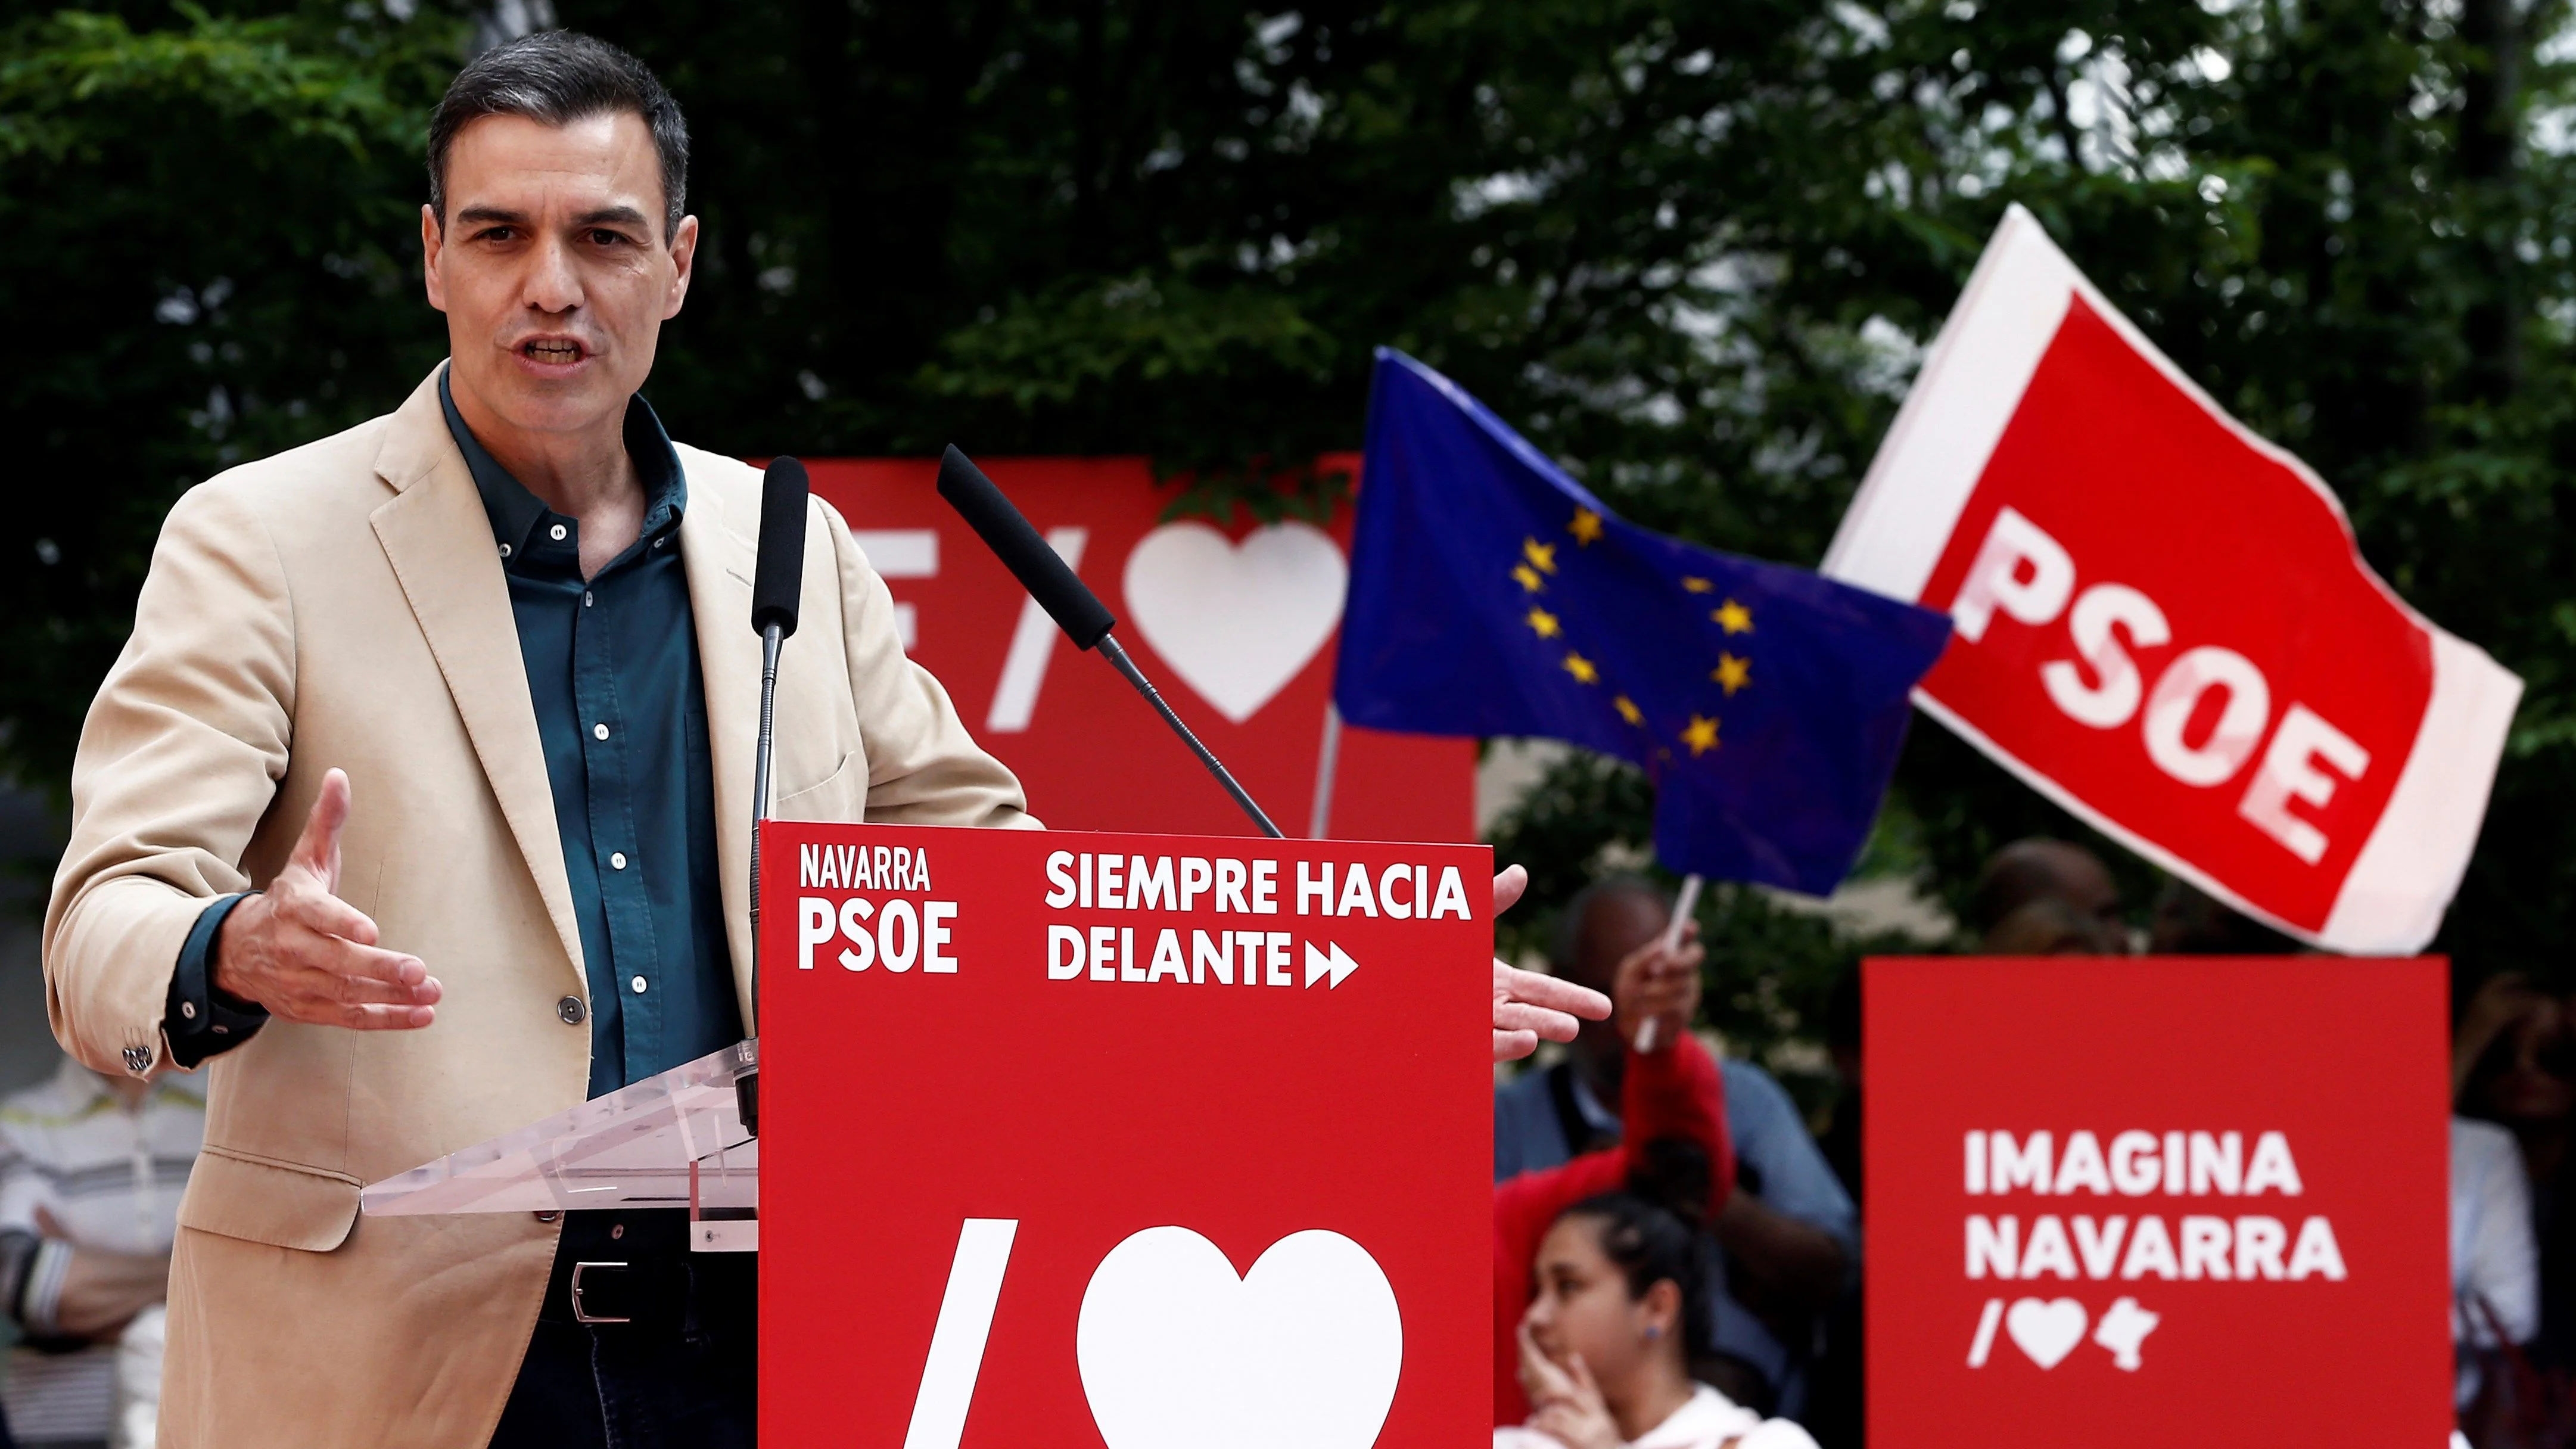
{"points": [[1617, 924], [552, 268]]}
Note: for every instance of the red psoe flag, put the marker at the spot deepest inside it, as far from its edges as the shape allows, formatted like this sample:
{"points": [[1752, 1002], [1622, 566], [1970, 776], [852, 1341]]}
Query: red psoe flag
{"points": [[2163, 622]]}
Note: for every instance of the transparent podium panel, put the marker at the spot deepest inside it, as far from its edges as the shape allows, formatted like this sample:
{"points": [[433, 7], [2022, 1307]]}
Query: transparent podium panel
{"points": [[672, 1141]]}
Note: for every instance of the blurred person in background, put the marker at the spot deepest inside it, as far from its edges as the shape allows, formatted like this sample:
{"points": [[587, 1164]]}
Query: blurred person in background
{"points": [[2513, 1065], [1837, 1403], [1673, 1103], [2052, 927], [2037, 869], [2189, 922], [1788, 1234], [91, 1169], [2513, 1078], [1607, 1343]]}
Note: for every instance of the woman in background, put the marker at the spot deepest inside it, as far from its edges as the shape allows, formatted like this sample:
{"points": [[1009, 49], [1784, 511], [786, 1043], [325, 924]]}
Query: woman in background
{"points": [[1606, 1344]]}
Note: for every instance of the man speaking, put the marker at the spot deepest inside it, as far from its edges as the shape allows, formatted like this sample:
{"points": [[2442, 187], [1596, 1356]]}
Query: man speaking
{"points": [[419, 805]]}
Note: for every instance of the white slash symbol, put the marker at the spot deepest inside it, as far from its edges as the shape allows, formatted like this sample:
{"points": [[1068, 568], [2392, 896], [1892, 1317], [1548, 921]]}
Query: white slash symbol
{"points": [[1985, 1341], [1337, 965]]}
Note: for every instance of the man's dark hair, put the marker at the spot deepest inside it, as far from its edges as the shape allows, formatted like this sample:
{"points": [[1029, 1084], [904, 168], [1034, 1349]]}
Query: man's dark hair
{"points": [[557, 77]]}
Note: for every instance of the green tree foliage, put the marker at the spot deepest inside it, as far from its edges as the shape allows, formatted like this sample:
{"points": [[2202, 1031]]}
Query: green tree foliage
{"points": [[207, 245], [1695, 250]]}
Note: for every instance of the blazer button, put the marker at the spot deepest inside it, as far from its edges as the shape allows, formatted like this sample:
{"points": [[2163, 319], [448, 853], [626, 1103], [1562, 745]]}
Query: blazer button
{"points": [[571, 1010]]}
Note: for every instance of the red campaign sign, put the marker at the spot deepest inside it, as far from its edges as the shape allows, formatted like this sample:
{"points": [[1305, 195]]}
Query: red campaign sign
{"points": [[1135, 1141], [2126, 1202], [1236, 626], [2163, 623]]}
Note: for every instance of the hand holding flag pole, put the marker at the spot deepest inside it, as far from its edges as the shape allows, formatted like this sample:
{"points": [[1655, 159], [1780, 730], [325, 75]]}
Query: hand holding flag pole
{"points": [[1682, 911]]}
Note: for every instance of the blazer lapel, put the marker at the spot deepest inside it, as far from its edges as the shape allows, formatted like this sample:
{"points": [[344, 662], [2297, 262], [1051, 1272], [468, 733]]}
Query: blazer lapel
{"points": [[719, 560], [439, 540]]}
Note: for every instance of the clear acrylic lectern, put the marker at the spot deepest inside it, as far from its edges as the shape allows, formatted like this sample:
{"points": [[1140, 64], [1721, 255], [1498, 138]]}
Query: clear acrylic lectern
{"points": [[677, 1140]]}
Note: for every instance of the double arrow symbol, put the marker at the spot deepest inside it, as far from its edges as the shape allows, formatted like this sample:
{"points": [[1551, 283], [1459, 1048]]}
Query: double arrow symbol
{"points": [[1337, 965]]}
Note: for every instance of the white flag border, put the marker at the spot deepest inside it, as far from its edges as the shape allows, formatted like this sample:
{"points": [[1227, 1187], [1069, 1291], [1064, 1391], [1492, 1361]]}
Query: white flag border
{"points": [[1908, 505]]}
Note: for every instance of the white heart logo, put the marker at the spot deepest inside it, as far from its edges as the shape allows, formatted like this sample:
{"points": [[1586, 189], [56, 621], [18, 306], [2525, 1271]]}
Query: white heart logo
{"points": [[1237, 621], [2048, 1331], [1176, 1352]]}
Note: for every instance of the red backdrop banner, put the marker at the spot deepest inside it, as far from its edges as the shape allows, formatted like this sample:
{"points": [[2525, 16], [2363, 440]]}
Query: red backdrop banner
{"points": [[1144, 1142], [2123, 1203], [1236, 625], [2164, 623]]}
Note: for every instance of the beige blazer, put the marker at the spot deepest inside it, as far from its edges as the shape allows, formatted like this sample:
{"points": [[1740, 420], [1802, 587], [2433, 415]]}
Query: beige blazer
{"points": [[343, 605]]}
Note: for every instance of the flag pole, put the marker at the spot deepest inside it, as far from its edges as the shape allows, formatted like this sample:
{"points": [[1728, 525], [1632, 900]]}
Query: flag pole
{"points": [[1328, 763], [1682, 909]]}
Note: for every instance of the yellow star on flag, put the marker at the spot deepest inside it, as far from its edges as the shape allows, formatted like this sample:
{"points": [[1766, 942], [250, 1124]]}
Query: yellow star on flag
{"points": [[1733, 617], [1581, 668], [1733, 672], [1697, 586], [1586, 526], [1528, 577], [1544, 622], [1701, 736], [1542, 556], [1628, 710]]}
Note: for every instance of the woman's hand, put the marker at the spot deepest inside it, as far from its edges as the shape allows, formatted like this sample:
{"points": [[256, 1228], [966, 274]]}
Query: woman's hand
{"points": [[1565, 1404]]}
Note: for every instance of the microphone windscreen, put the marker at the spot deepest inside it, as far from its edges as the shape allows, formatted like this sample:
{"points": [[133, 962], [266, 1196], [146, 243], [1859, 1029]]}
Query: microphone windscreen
{"points": [[778, 580], [1077, 610]]}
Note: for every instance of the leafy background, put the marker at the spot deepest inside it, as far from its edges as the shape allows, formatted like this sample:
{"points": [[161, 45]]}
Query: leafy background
{"points": [[1693, 249]]}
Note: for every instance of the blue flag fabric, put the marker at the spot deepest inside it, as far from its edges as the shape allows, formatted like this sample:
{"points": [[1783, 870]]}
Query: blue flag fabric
{"points": [[1491, 595]]}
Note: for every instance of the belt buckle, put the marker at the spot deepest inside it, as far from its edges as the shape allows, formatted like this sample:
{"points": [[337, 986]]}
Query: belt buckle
{"points": [[579, 1313]]}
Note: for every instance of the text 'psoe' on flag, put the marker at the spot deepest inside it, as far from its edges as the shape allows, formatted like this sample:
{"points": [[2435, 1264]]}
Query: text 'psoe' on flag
{"points": [[2163, 622]]}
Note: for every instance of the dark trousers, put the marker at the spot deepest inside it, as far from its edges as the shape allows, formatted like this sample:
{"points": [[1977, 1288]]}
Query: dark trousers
{"points": [[685, 1372]]}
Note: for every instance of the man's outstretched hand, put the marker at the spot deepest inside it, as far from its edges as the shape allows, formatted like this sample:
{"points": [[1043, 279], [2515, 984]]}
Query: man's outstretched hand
{"points": [[1527, 1005], [306, 955]]}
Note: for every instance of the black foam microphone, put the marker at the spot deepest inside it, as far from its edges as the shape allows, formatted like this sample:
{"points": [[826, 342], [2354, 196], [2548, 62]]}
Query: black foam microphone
{"points": [[1084, 619], [1077, 610], [777, 581]]}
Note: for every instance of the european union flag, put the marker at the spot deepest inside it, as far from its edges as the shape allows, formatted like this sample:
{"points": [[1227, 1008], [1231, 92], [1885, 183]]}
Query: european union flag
{"points": [[1491, 595]]}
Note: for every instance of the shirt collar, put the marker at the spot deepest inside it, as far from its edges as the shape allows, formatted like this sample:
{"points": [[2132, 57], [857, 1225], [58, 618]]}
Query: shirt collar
{"points": [[515, 512], [1595, 1115]]}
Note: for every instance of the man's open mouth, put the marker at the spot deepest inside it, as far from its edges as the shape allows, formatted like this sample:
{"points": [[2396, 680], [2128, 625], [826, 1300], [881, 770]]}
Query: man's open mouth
{"points": [[551, 351]]}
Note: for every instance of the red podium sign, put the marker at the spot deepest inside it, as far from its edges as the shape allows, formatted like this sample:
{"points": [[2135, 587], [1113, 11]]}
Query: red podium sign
{"points": [[1134, 1141], [2122, 1202]]}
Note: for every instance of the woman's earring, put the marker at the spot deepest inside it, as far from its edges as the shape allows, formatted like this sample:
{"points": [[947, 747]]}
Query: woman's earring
{"points": [[1654, 1330]]}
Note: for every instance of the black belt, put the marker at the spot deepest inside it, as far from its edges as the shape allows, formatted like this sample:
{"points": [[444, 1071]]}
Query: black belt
{"points": [[645, 1276]]}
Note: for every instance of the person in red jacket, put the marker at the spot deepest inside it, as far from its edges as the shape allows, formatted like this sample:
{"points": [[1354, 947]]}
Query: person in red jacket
{"points": [[1671, 1092]]}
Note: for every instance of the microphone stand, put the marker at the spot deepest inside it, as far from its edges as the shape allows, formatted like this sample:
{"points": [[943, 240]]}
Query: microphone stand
{"points": [[1117, 656], [747, 1088]]}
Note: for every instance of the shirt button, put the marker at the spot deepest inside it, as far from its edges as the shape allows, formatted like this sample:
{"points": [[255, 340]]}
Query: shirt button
{"points": [[585, 598], [571, 1010], [556, 533], [617, 860], [188, 1009], [505, 550], [599, 732], [638, 984]]}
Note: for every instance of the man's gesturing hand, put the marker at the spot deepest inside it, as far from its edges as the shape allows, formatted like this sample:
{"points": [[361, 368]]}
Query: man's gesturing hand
{"points": [[1527, 1005], [306, 955]]}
